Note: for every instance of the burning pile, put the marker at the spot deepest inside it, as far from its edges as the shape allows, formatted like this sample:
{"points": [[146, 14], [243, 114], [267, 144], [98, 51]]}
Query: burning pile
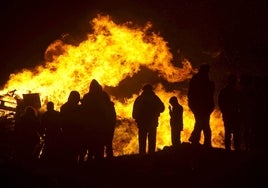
{"points": [[111, 54]]}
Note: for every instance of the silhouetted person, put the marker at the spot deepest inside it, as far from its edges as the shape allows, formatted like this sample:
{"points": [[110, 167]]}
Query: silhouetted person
{"points": [[228, 101], [20, 109], [247, 110], [50, 122], [109, 129], [259, 130], [27, 136], [176, 120], [96, 105], [71, 127], [146, 111], [201, 103]]}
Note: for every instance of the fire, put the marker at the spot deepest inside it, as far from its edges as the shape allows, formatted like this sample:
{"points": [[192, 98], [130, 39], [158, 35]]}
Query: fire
{"points": [[111, 54]]}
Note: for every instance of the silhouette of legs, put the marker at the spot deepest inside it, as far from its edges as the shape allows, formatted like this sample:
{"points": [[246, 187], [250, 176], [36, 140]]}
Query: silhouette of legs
{"points": [[201, 123], [227, 138], [207, 134], [109, 145], [142, 141], [175, 136], [236, 137], [195, 135], [152, 140]]}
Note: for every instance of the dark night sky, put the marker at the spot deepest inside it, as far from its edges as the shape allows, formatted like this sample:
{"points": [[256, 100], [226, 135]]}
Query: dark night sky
{"points": [[237, 29]]}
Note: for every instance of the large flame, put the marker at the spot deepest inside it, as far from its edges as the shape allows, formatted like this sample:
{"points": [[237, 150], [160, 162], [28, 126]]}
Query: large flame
{"points": [[111, 54]]}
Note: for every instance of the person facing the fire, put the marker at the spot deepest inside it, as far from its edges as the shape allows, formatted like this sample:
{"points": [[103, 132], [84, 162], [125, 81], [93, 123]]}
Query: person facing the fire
{"points": [[27, 135], [247, 107], [71, 127], [228, 101], [109, 129], [99, 121], [176, 120], [50, 123], [146, 111], [201, 102]]}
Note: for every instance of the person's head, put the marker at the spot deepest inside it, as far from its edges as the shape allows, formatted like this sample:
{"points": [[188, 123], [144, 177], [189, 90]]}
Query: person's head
{"points": [[74, 97], [30, 111], [204, 71], [173, 100], [50, 106], [204, 68], [95, 86], [147, 88]]}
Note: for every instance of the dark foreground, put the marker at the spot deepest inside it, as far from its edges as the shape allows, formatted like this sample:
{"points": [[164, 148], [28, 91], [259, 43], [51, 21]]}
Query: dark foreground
{"points": [[185, 166]]}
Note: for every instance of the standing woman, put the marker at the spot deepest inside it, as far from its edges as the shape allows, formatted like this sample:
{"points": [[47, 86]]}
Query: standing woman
{"points": [[176, 120], [70, 113]]}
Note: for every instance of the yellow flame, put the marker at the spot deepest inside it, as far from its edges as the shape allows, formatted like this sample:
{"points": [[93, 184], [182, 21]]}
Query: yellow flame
{"points": [[110, 54]]}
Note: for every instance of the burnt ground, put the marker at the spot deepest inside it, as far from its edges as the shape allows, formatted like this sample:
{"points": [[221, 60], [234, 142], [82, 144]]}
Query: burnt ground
{"points": [[184, 166]]}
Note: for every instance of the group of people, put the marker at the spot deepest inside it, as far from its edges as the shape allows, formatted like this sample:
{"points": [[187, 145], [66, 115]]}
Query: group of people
{"points": [[242, 103], [84, 127], [147, 108], [76, 133]]}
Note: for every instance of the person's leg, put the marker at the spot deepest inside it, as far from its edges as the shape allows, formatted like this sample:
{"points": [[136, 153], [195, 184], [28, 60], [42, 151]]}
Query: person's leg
{"points": [[196, 133], [227, 136], [142, 141], [152, 140], [109, 145], [207, 130], [236, 135], [175, 135]]}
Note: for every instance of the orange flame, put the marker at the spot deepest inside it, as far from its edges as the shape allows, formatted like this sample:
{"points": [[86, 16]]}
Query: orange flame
{"points": [[111, 54]]}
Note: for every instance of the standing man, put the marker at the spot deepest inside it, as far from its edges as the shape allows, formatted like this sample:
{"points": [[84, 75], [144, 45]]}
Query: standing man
{"points": [[50, 123], [146, 110], [109, 128], [100, 118], [201, 102], [27, 136], [229, 106]]}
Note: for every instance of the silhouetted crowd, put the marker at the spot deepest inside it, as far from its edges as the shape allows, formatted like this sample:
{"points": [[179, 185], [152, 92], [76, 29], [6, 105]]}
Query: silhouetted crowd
{"points": [[83, 129], [243, 103]]}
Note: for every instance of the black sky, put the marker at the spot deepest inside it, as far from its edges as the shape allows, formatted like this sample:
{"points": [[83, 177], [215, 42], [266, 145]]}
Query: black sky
{"points": [[237, 29]]}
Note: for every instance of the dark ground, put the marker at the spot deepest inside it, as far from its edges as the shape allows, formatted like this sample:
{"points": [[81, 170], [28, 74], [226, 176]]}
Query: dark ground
{"points": [[185, 166]]}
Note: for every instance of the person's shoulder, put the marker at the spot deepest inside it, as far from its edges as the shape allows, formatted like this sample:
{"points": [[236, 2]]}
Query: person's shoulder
{"points": [[194, 79], [85, 95], [63, 106], [138, 98], [195, 76], [156, 96]]}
